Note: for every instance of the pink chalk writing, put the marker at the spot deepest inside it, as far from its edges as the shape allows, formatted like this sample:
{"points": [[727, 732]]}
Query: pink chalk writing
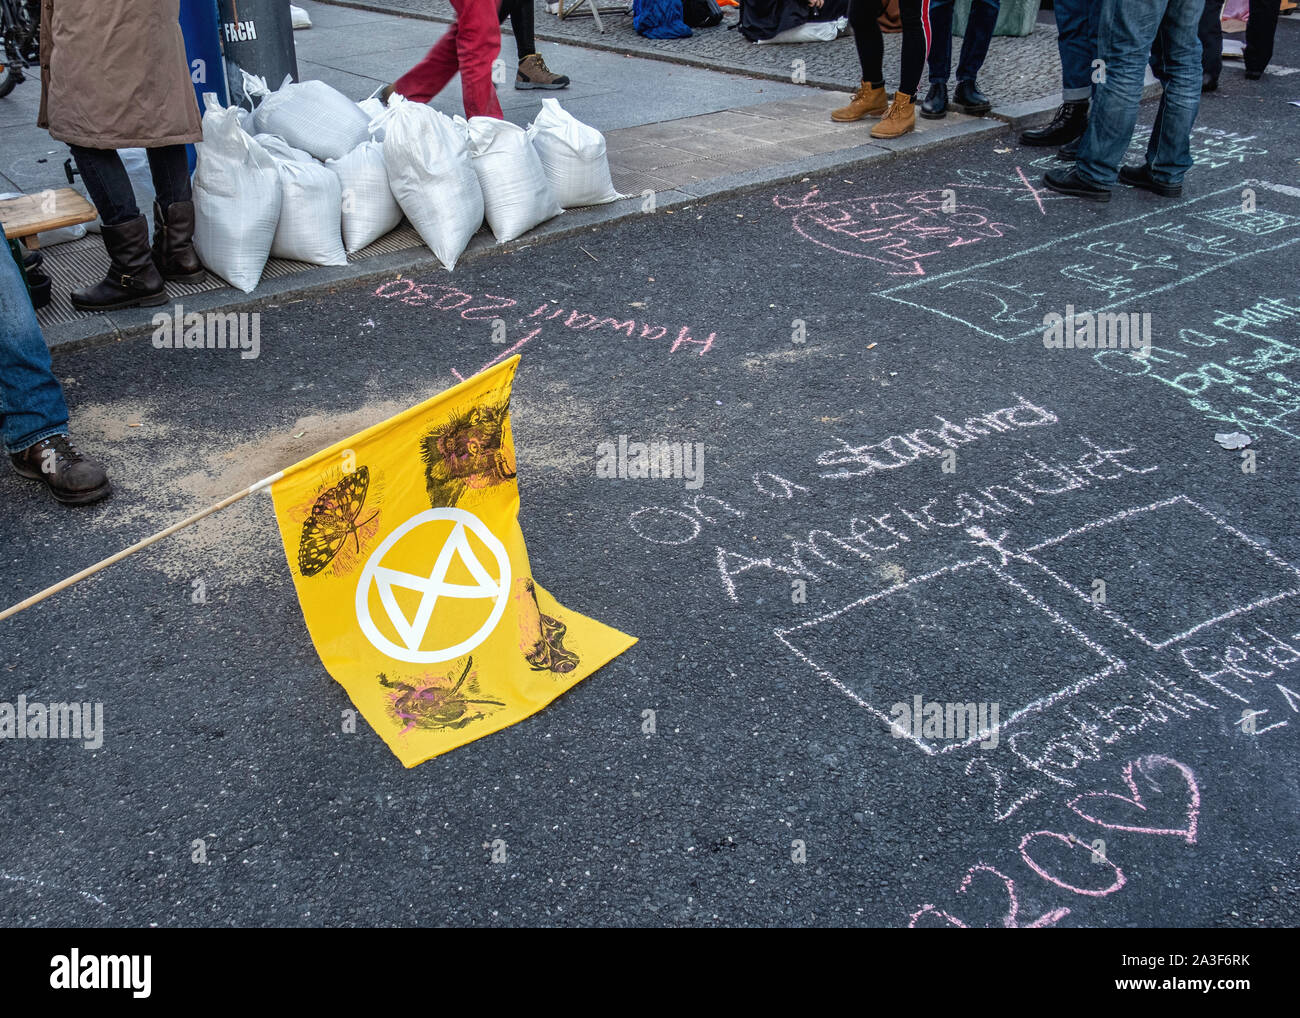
{"points": [[488, 307], [1037, 846], [1096, 801], [900, 230]]}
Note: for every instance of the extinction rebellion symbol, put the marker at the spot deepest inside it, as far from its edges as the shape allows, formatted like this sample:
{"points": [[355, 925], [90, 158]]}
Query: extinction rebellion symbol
{"points": [[412, 631]]}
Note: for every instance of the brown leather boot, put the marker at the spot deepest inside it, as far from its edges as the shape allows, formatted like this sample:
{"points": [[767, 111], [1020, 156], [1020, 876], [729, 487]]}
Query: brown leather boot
{"points": [[72, 478], [173, 243], [900, 118], [533, 73], [866, 102], [133, 279]]}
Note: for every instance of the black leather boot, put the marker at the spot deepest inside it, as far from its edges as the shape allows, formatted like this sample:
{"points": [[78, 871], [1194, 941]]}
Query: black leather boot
{"points": [[935, 106], [173, 243], [132, 279], [72, 478], [1070, 122], [970, 100]]}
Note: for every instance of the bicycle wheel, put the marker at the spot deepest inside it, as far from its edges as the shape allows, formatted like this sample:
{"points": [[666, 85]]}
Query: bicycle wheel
{"points": [[7, 79]]}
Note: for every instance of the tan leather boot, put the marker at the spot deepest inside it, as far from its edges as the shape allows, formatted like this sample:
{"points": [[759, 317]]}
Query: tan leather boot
{"points": [[866, 102], [900, 118]]}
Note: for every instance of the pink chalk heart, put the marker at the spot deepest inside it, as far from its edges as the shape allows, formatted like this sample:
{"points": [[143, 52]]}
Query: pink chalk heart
{"points": [[1097, 800]]}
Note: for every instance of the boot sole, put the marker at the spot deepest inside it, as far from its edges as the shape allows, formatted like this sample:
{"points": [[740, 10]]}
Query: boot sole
{"points": [[151, 301], [1163, 190], [1076, 193], [874, 114], [193, 277], [933, 116], [524, 86], [77, 498], [892, 137], [973, 111]]}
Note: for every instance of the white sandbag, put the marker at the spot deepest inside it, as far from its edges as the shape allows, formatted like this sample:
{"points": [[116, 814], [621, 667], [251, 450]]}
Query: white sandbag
{"points": [[299, 17], [236, 198], [308, 115], [310, 216], [373, 108], [516, 194], [281, 149], [427, 160], [369, 208], [809, 31], [573, 157]]}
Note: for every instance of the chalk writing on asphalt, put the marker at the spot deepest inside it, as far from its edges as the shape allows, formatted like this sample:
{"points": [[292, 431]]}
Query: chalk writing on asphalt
{"points": [[904, 230]]}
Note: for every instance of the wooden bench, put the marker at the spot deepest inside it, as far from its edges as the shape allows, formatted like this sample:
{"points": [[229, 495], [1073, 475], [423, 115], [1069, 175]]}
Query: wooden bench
{"points": [[26, 216]]}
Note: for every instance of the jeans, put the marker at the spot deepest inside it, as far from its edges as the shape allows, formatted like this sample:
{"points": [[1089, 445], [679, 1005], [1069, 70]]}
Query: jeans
{"points": [[870, 41], [110, 188], [523, 25], [470, 46], [1076, 42], [1133, 32], [974, 44], [31, 399], [1261, 27]]}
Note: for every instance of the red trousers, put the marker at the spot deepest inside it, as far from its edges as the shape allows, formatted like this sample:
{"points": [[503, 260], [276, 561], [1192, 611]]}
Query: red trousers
{"points": [[470, 46]]}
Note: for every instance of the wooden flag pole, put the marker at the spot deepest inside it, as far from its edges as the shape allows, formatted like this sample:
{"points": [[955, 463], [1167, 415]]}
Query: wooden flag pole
{"points": [[141, 545]]}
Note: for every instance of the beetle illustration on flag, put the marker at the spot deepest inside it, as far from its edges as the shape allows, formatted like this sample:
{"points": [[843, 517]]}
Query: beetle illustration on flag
{"points": [[413, 576]]}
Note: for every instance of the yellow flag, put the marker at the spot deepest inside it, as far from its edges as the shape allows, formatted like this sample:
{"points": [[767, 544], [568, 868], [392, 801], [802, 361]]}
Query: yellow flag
{"points": [[411, 570]]}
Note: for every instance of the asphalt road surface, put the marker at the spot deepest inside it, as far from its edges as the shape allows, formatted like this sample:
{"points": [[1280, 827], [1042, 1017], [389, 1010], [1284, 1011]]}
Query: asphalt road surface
{"points": [[905, 494]]}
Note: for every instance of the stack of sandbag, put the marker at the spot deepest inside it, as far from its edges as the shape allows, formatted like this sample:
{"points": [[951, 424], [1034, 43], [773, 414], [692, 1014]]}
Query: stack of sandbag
{"points": [[369, 208], [573, 157], [237, 198], [428, 166], [308, 115], [516, 194]]}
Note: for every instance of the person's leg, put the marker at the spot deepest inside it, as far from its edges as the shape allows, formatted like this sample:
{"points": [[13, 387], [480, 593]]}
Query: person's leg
{"points": [[1127, 31], [522, 23], [1076, 42], [132, 280], [979, 34], [31, 399], [107, 181], [868, 39], [173, 216], [1210, 31], [478, 42], [1077, 45], [870, 100], [1169, 153], [170, 168], [430, 76], [916, 43], [1261, 27], [941, 40], [531, 71]]}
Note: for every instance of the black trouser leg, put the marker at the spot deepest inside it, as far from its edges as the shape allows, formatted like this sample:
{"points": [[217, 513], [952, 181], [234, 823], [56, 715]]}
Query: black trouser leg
{"points": [[1211, 34], [868, 38], [106, 179], [522, 22], [1261, 26], [916, 43], [170, 168]]}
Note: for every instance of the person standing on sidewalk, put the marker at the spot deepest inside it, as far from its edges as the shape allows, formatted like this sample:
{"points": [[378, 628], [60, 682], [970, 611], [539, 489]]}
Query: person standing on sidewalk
{"points": [[974, 48], [1133, 32], [469, 46], [897, 117], [114, 75], [33, 414], [1076, 42], [532, 71]]}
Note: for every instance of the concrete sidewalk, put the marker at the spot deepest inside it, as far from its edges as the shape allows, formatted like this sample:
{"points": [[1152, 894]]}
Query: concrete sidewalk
{"points": [[683, 133]]}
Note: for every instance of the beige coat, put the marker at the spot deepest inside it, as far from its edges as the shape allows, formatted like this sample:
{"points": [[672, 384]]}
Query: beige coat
{"points": [[114, 74]]}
